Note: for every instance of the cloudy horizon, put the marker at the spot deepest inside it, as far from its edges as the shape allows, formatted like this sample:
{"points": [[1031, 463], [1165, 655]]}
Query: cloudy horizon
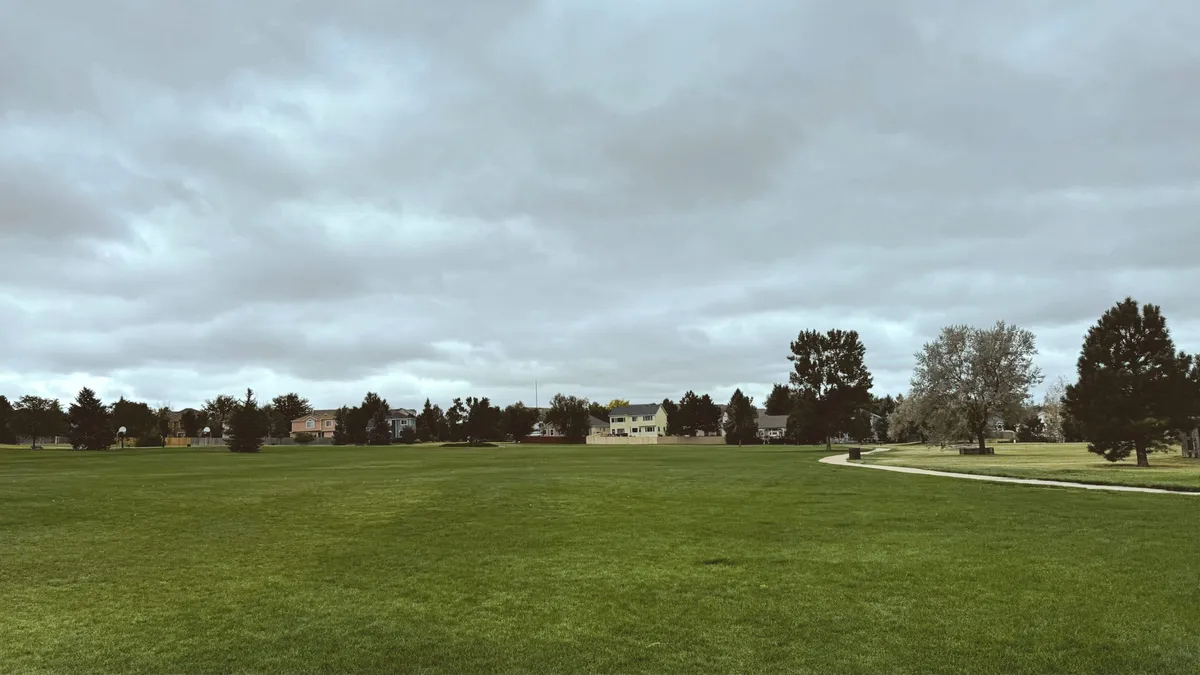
{"points": [[617, 200]]}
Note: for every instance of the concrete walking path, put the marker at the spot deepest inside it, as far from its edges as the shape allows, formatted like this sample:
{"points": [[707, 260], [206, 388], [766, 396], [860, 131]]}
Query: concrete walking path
{"points": [[844, 460]]}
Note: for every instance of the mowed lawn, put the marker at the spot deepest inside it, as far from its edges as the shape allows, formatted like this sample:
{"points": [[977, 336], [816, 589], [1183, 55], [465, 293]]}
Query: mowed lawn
{"points": [[595, 559], [1053, 461]]}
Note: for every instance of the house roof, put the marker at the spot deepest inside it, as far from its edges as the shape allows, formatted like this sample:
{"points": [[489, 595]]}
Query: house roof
{"points": [[597, 422], [772, 421], [317, 414], [636, 409], [401, 412]]}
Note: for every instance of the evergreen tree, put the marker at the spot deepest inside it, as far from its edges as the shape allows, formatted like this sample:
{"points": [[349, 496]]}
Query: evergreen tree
{"points": [[742, 424], [456, 416], [780, 400], [380, 429], [341, 426], [1134, 388], [483, 420], [7, 435], [247, 428], [427, 427], [708, 416], [672, 411], [88, 423], [687, 414], [831, 368], [164, 425]]}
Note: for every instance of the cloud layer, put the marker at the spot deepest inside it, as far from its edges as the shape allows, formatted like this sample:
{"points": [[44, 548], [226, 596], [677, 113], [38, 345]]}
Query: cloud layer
{"points": [[613, 199]]}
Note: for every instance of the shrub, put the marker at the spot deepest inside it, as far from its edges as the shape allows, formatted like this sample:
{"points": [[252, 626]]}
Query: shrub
{"points": [[304, 437], [408, 435], [477, 444], [149, 440]]}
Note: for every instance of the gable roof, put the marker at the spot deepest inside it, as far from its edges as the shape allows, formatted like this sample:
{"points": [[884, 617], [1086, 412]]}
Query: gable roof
{"points": [[636, 409], [317, 415], [401, 412], [772, 421], [597, 422]]}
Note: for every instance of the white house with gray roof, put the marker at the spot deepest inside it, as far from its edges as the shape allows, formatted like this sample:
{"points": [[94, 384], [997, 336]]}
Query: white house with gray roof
{"points": [[646, 419]]}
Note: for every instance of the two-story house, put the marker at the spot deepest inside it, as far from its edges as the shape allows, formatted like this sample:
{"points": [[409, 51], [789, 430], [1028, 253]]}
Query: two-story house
{"points": [[401, 419], [320, 423], [647, 419]]}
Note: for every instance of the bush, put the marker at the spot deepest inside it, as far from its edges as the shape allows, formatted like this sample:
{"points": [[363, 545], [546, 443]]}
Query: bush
{"points": [[477, 444], [149, 441], [408, 436], [304, 437]]}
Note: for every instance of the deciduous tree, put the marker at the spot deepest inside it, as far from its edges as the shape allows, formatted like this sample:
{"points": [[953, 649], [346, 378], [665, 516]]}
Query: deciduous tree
{"points": [[519, 420], [742, 422], [247, 428], [164, 424], [617, 403], [483, 420], [708, 416], [1052, 409], [220, 411], [191, 423], [687, 415], [598, 410], [569, 415], [88, 423], [36, 418], [969, 375], [288, 407], [138, 418], [831, 367], [1134, 388]]}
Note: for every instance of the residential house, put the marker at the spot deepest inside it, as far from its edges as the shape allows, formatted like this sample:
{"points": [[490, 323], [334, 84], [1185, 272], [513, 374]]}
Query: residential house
{"points": [[598, 426], [647, 419], [320, 423], [175, 421], [771, 427], [401, 419]]}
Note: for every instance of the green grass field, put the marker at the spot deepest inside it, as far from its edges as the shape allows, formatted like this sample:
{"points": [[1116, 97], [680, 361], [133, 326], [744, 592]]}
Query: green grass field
{"points": [[545, 559], [1054, 461]]}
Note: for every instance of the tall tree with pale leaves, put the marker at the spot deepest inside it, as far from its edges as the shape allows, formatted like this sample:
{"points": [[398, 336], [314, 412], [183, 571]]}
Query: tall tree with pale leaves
{"points": [[970, 375], [1052, 409]]}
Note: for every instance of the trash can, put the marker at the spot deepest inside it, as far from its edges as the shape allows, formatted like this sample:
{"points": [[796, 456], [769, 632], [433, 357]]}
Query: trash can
{"points": [[855, 453]]}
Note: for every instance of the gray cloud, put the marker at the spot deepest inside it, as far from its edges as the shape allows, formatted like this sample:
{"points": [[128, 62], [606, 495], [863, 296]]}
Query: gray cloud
{"points": [[613, 199]]}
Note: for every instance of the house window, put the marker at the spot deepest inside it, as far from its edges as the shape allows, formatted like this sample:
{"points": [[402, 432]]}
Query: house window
{"points": [[648, 418], [618, 419], [310, 424], [328, 424]]}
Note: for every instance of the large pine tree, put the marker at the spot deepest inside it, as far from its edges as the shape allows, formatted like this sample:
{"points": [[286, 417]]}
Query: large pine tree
{"points": [[830, 368], [742, 422], [88, 423], [341, 426], [7, 417], [381, 429], [1133, 388], [247, 428]]}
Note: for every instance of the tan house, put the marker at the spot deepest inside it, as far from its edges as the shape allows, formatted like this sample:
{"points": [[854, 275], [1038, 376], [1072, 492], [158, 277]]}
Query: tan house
{"points": [[598, 427], [320, 423], [647, 419]]}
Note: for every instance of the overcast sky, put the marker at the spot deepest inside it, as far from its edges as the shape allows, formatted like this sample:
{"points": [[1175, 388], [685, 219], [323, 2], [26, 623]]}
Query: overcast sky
{"points": [[616, 199]]}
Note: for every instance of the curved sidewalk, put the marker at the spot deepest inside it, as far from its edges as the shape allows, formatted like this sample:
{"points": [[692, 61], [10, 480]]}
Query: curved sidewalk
{"points": [[844, 460]]}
